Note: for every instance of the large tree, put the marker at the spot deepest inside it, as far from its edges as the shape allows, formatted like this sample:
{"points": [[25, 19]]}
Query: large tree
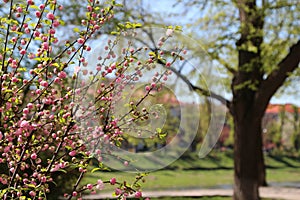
{"points": [[267, 50]]}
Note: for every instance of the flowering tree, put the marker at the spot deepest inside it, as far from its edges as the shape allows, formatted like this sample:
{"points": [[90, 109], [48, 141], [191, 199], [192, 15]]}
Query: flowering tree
{"points": [[56, 108]]}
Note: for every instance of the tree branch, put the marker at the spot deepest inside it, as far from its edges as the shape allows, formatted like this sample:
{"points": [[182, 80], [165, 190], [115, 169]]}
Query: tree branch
{"points": [[277, 77], [223, 62], [203, 91]]}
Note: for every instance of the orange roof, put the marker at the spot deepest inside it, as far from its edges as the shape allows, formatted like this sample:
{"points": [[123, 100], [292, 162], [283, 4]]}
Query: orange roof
{"points": [[277, 108]]}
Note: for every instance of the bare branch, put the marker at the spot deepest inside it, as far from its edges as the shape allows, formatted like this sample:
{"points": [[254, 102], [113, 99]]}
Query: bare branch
{"points": [[202, 91], [223, 62]]}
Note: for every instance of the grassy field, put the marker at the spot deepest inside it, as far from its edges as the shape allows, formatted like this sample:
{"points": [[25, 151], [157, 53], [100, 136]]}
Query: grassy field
{"points": [[216, 170], [193, 198]]}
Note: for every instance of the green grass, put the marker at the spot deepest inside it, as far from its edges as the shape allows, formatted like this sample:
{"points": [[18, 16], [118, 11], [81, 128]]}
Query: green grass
{"points": [[193, 198], [201, 198], [215, 170]]}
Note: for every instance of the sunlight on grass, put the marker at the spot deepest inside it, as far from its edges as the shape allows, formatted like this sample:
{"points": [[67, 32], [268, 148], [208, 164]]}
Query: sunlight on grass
{"points": [[214, 171]]}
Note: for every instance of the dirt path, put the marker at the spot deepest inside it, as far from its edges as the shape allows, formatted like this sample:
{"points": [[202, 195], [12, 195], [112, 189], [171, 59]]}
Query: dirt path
{"points": [[265, 192]]}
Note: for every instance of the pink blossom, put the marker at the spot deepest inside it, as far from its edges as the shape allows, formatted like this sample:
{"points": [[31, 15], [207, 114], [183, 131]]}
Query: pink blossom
{"points": [[19, 9], [27, 30], [23, 51], [118, 191], [45, 45], [109, 70], [33, 156], [42, 6], [30, 2], [32, 193], [31, 56], [44, 83], [25, 111], [37, 13], [14, 28], [44, 38], [57, 80], [74, 194], [138, 194], [14, 79], [37, 33], [90, 8], [169, 32], [168, 64], [96, 27], [82, 59], [72, 153], [80, 40], [50, 16], [30, 105], [85, 72], [24, 124], [113, 181], [89, 186], [43, 179], [56, 23], [62, 74], [147, 88], [52, 31]]}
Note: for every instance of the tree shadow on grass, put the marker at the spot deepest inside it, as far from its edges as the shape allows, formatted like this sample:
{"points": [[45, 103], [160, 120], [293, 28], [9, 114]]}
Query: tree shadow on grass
{"points": [[281, 160]]}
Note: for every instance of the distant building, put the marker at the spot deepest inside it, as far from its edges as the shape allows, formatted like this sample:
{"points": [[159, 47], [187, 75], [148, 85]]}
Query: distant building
{"points": [[286, 118]]}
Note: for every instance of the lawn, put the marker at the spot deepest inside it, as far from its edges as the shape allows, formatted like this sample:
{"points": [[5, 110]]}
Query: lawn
{"points": [[193, 198], [214, 171]]}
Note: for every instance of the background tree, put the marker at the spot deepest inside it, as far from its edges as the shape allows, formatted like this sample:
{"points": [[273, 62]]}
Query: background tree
{"points": [[252, 36]]}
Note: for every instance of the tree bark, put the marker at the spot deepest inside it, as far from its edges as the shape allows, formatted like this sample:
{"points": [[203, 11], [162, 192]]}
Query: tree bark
{"points": [[249, 169], [245, 158], [247, 108]]}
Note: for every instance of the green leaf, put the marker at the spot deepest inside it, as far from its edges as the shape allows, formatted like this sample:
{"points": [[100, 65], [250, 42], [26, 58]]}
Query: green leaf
{"points": [[96, 169], [55, 64], [178, 28], [121, 25], [115, 33], [62, 170], [31, 185], [77, 30], [118, 5], [34, 7], [137, 25], [151, 53], [158, 130]]}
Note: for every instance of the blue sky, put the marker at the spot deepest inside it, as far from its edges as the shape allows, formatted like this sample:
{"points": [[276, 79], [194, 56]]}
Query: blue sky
{"points": [[290, 94]]}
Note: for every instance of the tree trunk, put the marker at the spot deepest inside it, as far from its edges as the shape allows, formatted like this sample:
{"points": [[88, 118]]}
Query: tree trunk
{"points": [[262, 177], [249, 168]]}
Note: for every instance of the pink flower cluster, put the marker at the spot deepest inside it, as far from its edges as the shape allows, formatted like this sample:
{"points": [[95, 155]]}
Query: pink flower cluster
{"points": [[48, 124]]}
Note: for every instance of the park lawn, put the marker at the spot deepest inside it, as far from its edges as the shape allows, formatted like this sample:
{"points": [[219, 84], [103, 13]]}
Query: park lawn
{"points": [[216, 170], [193, 198], [181, 179], [201, 198]]}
